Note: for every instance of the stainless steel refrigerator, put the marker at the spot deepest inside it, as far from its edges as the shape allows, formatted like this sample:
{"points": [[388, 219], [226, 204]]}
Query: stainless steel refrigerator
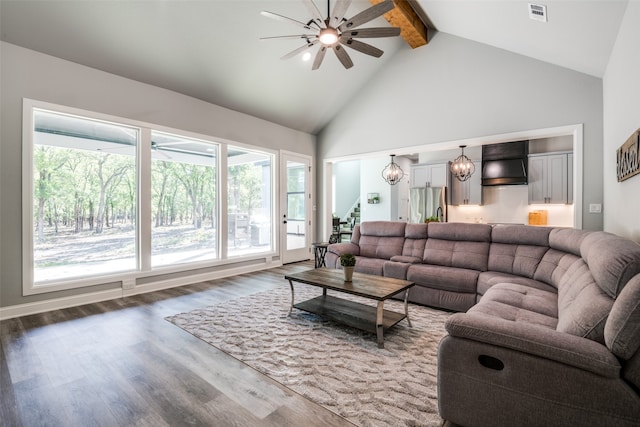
{"points": [[425, 202]]}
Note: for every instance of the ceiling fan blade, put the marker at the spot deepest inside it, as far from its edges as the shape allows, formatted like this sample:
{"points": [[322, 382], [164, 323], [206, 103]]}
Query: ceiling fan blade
{"points": [[338, 12], [343, 56], [319, 57], [315, 12], [363, 47], [300, 50], [372, 32], [282, 18], [294, 36], [367, 15]]}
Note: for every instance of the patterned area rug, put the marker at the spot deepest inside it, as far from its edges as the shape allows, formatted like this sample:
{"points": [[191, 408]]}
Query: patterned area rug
{"points": [[338, 367]]}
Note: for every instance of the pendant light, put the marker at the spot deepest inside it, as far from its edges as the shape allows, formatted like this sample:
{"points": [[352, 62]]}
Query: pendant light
{"points": [[392, 173], [462, 167]]}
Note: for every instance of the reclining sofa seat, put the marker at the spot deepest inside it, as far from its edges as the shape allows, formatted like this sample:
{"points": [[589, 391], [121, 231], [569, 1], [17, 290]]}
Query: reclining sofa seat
{"points": [[454, 256], [528, 356], [552, 335]]}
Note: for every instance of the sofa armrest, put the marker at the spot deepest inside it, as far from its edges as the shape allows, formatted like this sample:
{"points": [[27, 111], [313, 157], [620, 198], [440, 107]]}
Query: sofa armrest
{"points": [[344, 248], [548, 343], [396, 270]]}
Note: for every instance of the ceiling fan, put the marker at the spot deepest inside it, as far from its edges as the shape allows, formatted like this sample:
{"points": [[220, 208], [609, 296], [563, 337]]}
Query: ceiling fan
{"points": [[335, 31]]}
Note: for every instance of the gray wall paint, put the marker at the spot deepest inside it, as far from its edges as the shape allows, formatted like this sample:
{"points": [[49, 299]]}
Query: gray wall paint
{"points": [[454, 89], [28, 74], [621, 88]]}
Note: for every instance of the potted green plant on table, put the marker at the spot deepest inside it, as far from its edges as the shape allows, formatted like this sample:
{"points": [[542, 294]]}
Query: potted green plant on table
{"points": [[348, 263], [432, 219]]}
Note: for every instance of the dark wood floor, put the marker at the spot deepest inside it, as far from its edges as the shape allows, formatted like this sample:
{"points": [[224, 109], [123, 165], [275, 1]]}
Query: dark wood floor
{"points": [[120, 363]]}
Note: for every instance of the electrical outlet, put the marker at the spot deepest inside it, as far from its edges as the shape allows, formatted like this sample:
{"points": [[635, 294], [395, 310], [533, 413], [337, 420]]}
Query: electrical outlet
{"points": [[128, 283], [595, 208]]}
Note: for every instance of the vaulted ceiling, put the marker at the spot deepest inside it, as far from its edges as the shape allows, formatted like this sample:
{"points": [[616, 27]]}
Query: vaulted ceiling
{"points": [[212, 50]]}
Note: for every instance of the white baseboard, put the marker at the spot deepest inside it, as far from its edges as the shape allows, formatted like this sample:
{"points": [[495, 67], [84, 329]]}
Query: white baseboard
{"points": [[196, 278], [93, 297], [58, 303]]}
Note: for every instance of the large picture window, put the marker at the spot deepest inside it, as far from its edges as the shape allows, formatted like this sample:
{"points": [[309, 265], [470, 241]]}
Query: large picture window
{"points": [[184, 210], [88, 219], [249, 178], [84, 197]]}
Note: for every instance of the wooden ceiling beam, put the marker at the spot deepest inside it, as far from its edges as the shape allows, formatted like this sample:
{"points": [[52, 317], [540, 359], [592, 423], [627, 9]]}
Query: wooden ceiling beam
{"points": [[412, 29]]}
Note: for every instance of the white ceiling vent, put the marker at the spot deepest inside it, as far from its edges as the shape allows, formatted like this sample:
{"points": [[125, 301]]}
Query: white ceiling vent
{"points": [[538, 12]]}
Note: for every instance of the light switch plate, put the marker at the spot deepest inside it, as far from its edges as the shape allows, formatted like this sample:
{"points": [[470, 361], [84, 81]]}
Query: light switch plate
{"points": [[595, 208]]}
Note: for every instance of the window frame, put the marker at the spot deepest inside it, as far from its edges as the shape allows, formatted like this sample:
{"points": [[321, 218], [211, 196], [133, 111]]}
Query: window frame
{"points": [[144, 208]]}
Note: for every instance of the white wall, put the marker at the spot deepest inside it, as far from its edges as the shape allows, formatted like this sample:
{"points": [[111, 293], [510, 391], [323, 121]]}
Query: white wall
{"points": [[371, 182], [399, 192], [454, 89], [621, 89], [28, 74], [347, 183]]}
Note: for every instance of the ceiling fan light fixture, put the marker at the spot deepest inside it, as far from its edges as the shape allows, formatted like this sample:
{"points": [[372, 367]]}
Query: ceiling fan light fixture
{"points": [[335, 31], [392, 173], [462, 167], [328, 36]]}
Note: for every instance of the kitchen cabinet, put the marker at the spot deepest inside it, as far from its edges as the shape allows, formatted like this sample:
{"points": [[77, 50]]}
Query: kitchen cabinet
{"points": [[429, 175], [548, 178], [467, 192]]}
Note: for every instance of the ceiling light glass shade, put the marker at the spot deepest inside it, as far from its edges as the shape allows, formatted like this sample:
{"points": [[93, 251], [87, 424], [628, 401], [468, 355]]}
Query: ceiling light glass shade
{"points": [[392, 173], [462, 167], [328, 36]]}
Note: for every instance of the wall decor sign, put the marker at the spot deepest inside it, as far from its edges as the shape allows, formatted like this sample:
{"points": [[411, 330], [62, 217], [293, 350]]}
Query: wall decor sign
{"points": [[628, 157]]}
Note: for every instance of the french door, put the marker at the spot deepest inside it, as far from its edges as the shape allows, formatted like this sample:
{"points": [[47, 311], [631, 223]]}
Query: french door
{"points": [[295, 207]]}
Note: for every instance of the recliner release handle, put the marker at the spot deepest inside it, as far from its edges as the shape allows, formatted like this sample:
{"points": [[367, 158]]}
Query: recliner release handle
{"points": [[491, 362]]}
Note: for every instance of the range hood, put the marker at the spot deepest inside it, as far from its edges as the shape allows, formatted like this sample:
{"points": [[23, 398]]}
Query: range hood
{"points": [[505, 164]]}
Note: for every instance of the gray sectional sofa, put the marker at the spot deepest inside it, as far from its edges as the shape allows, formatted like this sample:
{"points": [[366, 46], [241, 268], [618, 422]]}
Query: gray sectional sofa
{"points": [[547, 329]]}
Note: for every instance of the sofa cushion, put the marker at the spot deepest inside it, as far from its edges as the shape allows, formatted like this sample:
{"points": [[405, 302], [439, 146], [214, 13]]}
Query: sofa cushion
{"points": [[583, 307], [381, 239], [369, 265], [613, 260], [414, 248], [458, 245], [553, 266], [460, 231], [462, 254], [415, 240], [380, 247], [518, 249], [448, 300], [520, 235], [440, 277], [567, 239], [516, 259], [622, 331], [415, 231], [519, 303], [383, 228], [488, 279]]}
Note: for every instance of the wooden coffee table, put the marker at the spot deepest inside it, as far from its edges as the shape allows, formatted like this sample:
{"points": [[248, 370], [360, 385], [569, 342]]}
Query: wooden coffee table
{"points": [[371, 319]]}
